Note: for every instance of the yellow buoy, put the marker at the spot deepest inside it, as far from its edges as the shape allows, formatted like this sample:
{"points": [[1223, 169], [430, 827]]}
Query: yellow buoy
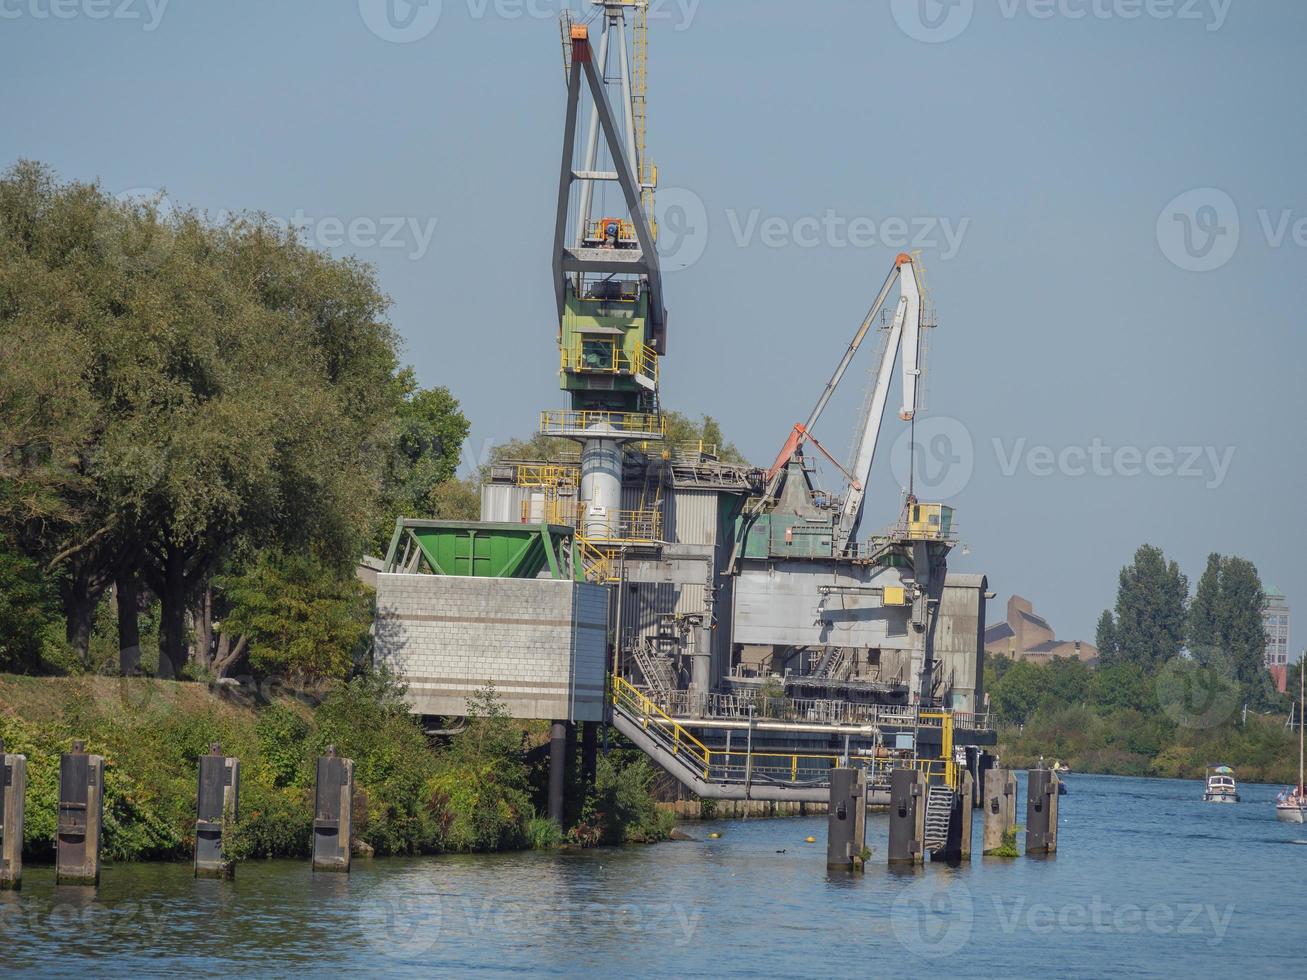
{"points": [[809, 840], [714, 835]]}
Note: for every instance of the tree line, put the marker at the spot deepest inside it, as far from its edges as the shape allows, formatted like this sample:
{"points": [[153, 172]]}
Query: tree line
{"points": [[210, 419]]}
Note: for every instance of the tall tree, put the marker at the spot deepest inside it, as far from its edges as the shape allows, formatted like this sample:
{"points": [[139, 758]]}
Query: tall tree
{"points": [[1203, 632], [1105, 637], [1150, 609], [1239, 619]]}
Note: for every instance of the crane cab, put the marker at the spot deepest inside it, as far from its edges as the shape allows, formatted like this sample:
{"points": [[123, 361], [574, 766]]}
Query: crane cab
{"points": [[929, 522]]}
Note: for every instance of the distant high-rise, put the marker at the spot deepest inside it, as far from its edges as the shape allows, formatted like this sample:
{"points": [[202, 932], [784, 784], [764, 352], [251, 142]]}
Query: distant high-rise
{"points": [[1275, 622]]}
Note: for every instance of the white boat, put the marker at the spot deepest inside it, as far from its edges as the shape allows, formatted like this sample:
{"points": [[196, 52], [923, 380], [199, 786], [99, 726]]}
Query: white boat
{"points": [[1291, 805], [1220, 786]]}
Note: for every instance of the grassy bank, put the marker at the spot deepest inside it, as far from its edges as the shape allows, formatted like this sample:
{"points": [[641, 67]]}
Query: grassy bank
{"points": [[474, 791]]}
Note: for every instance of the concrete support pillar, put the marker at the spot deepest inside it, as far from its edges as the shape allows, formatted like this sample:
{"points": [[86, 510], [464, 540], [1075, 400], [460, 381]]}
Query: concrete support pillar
{"points": [[958, 846], [907, 816], [217, 803], [333, 812], [1041, 811], [1000, 803], [846, 823], [557, 769], [81, 815], [13, 793], [589, 751]]}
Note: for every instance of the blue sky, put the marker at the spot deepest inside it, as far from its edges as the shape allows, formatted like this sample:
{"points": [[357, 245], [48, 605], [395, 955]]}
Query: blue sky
{"points": [[1108, 195]]}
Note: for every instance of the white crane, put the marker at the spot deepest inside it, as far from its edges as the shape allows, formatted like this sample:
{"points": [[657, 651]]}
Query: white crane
{"points": [[904, 332]]}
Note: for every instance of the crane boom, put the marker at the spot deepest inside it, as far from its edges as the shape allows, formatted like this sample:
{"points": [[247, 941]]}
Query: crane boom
{"points": [[905, 332]]}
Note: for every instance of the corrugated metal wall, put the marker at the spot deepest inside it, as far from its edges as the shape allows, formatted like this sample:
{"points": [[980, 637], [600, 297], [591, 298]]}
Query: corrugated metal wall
{"points": [[502, 502]]}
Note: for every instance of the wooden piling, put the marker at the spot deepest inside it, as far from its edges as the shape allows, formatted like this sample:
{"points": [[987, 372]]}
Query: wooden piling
{"points": [[846, 824], [81, 816], [1000, 803], [217, 803], [1041, 812], [13, 793], [333, 813], [907, 817]]}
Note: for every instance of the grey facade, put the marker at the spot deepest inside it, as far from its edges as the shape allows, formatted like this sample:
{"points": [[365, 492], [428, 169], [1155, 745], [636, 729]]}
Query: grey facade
{"points": [[541, 642]]}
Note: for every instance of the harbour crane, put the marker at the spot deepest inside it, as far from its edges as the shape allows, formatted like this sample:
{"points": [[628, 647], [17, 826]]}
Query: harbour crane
{"points": [[905, 333]]}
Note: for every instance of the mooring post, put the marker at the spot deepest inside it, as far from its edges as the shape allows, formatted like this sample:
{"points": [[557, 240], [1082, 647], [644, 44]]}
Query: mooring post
{"points": [[557, 769], [81, 815], [959, 831], [984, 763], [1041, 811], [217, 804], [1000, 804], [907, 816], [13, 792], [846, 818], [333, 813]]}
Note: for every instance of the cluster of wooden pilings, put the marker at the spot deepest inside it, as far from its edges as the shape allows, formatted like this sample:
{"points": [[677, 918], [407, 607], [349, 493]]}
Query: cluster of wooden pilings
{"points": [[78, 833], [909, 841]]}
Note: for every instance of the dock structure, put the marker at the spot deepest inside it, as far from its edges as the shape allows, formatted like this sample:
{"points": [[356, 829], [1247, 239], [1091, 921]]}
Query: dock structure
{"points": [[726, 618]]}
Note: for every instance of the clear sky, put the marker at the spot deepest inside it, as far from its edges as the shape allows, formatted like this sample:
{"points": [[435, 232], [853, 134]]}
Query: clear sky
{"points": [[1094, 322]]}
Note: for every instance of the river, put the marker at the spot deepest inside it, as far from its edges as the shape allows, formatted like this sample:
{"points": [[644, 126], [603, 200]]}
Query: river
{"points": [[1148, 881]]}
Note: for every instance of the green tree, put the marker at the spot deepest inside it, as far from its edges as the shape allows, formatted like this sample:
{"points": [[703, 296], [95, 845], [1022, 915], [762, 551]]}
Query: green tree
{"points": [[430, 430], [1105, 637], [27, 606], [1150, 609], [228, 389], [1203, 630], [1239, 626], [297, 615], [1019, 692]]}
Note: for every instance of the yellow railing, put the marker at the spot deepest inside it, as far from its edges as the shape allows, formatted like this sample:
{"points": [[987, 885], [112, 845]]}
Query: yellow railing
{"points": [[557, 422], [608, 356], [624, 527], [947, 767], [627, 695], [546, 475], [597, 565]]}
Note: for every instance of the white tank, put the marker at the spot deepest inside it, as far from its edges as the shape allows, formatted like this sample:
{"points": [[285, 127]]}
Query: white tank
{"points": [[601, 487]]}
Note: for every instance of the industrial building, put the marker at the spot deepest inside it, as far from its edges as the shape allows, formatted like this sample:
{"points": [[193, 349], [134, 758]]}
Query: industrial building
{"points": [[730, 620]]}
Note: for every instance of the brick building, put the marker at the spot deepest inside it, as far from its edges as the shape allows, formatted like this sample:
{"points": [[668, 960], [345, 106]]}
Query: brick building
{"points": [[1025, 635]]}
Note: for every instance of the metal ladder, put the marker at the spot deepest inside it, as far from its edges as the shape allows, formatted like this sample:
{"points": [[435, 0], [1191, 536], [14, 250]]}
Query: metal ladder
{"points": [[939, 813], [830, 662]]}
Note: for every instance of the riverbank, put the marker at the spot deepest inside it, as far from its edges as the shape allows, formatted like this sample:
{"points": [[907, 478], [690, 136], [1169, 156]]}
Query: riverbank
{"points": [[1130, 743], [476, 791]]}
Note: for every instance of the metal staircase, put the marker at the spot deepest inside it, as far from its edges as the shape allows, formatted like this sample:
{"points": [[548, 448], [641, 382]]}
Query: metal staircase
{"points": [[655, 668], [939, 814]]}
